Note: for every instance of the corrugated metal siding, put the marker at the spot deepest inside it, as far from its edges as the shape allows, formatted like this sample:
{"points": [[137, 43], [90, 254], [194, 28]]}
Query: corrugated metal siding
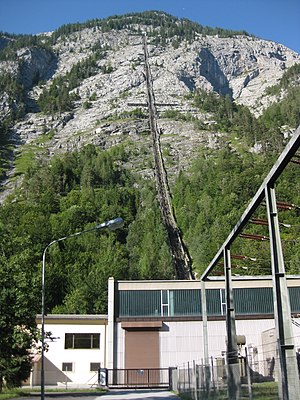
{"points": [[295, 299], [213, 301], [133, 303], [253, 301], [186, 302]]}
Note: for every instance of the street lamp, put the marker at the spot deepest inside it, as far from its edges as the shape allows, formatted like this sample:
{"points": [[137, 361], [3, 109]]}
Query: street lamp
{"points": [[111, 225]]}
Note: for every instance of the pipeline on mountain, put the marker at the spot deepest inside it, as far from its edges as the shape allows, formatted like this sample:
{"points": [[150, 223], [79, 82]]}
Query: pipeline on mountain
{"points": [[181, 257]]}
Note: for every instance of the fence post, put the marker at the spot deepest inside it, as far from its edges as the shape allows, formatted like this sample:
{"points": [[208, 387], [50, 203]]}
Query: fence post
{"points": [[171, 379], [212, 373], [248, 372], [195, 380], [189, 376]]}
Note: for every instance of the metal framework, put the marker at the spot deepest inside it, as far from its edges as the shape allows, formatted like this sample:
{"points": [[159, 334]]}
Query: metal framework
{"points": [[289, 386]]}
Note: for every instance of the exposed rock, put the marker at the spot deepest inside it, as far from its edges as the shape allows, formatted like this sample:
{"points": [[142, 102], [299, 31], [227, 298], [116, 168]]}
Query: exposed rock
{"points": [[4, 42], [242, 67], [35, 64]]}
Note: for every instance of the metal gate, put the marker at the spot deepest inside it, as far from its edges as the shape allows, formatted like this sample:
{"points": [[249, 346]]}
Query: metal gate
{"points": [[138, 378]]}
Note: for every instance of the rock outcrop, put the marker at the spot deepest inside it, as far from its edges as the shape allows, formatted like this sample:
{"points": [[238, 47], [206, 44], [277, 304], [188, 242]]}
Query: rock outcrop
{"points": [[35, 65]]}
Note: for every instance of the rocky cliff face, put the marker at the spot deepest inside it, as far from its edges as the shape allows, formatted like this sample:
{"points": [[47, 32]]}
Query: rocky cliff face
{"points": [[35, 64], [241, 67]]}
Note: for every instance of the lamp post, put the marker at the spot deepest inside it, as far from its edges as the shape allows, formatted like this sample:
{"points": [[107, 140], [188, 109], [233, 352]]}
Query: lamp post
{"points": [[111, 225]]}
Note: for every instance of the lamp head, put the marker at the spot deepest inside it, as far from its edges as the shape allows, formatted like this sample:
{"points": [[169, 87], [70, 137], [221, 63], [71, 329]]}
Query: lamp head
{"points": [[114, 224]]}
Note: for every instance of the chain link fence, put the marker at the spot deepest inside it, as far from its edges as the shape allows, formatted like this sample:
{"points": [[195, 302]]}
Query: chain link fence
{"points": [[254, 379]]}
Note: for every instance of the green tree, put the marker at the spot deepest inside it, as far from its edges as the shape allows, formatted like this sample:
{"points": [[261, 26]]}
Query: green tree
{"points": [[17, 319], [147, 242], [210, 199]]}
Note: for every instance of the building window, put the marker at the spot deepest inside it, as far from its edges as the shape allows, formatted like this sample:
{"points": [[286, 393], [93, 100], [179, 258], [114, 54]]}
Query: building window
{"points": [[82, 341], [67, 367], [165, 303], [94, 367], [223, 301]]}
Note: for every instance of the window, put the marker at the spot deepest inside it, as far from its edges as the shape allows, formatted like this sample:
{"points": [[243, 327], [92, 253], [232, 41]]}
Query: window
{"points": [[223, 301], [94, 366], [164, 303], [82, 341], [67, 366]]}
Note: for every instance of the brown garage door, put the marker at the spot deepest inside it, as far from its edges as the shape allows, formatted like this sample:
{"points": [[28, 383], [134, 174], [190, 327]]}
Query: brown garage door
{"points": [[141, 355]]}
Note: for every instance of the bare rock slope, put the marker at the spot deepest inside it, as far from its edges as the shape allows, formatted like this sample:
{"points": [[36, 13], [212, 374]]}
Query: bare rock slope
{"points": [[240, 66]]}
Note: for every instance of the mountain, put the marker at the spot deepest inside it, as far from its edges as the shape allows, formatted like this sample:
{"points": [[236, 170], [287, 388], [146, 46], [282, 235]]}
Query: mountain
{"points": [[85, 83], [223, 95]]}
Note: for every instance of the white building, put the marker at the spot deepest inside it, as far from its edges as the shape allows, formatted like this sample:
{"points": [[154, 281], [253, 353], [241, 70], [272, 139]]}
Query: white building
{"points": [[76, 350]]}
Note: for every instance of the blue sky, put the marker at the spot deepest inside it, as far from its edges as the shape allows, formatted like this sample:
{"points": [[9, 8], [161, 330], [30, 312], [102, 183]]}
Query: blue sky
{"points": [[277, 20]]}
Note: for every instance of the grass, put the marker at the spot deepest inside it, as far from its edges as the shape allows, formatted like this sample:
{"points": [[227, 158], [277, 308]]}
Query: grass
{"points": [[260, 391], [27, 152], [24, 159], [26, 392], [265, 391], [14, 393]]}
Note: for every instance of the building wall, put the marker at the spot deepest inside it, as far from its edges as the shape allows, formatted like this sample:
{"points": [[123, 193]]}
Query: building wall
{"points": [[182, 341], [81, 359], [181, 338]]}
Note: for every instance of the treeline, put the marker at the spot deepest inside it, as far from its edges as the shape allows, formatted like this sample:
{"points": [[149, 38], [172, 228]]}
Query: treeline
{"points": [[77, 190], [229, 116], [290, 77], [58, 97], [285, 111], [163, 26], [73, 193], [212, 196], [12, 43]]}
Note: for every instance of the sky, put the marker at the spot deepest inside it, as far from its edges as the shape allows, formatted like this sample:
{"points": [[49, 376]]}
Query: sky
{"points": [[277, 20]]}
